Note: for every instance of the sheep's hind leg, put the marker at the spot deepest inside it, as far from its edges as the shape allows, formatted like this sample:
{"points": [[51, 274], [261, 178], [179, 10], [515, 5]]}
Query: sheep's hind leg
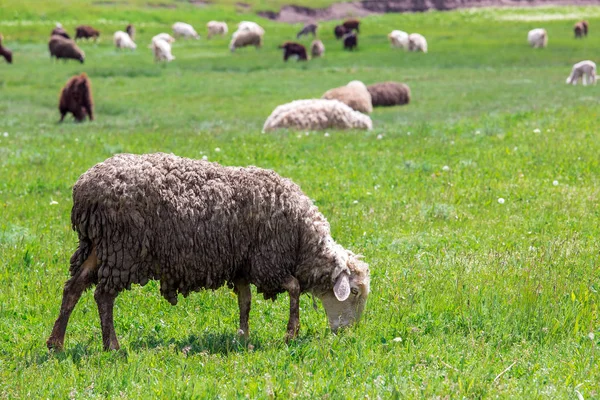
{"points": [[242, 288], [74, 287], [106, 302], [293, 287]]}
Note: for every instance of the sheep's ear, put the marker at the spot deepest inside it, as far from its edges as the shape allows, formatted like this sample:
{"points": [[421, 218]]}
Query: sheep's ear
{"points": [[341, 289]]}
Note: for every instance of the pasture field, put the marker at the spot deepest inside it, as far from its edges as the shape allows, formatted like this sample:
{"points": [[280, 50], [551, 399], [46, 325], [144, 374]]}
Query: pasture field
{"points": [[471, 297]]}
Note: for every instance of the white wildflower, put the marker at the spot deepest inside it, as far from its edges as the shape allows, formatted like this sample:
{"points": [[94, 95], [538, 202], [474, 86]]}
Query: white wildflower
{"points": [[477, 132], [326, 134], [217, 149], [379, 137], [445, 168], [555, 183], [205, 158], [536, 130], [500, 200], [397, 339], [5, 134], [53, 202], [355, 202]]}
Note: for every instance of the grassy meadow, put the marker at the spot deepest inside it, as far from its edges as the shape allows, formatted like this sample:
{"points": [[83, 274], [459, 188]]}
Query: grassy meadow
{"points": [[477, 206]]}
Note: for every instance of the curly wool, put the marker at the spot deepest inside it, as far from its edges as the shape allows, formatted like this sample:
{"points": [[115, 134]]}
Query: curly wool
{"points": [[194, 224], [389, 94], [354, 94], [316, 114]]}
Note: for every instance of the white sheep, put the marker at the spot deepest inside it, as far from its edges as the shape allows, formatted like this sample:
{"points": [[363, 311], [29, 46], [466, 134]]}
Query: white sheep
{"points": [[245, 38], [537, 38], [316, 114], [586, 70], [164, 36], [399, 39], [216, 28], [251, 26], [122, 40], [185, 30], [162, 50], [417, 42]]}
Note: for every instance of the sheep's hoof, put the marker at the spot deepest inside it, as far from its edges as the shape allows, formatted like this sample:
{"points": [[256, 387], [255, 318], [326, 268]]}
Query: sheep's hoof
{"points": [[54, 346]]}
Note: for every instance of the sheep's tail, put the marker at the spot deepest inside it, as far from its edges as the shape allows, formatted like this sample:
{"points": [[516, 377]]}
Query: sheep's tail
{"points": [[81, 254]]}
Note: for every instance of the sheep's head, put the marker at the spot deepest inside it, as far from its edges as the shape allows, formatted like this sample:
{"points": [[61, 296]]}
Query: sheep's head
{"points": [[345, 302]]}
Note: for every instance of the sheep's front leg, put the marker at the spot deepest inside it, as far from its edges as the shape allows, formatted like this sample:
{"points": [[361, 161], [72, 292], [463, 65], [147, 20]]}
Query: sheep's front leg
{"points": [[293, 288], [106, 302], [242, 288]]}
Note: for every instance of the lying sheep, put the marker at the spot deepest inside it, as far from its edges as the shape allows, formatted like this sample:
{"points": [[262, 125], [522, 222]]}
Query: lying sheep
{"points": [[216, 28], [580, 29], [58, 30], [4, 52], [245, 38], [537, 38], [389, 94], [185, 30], [76, 98], [352, 25], [162, 50], [350, 41], [354, 94], [317, 48], [293, 49], [399, 39], [194, 225], [417, 42], [122, 40], [586, 70], [86, 32], [251, 26], [316, 114], [339, 31], [130, 29], [308, 28], [65, 48]]}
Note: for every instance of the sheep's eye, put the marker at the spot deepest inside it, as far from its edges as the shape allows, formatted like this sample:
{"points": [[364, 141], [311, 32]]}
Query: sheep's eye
{"points": [[354, 291]]}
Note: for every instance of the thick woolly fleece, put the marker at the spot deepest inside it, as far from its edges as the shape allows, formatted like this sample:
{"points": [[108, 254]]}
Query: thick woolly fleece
{"points": [[389, 94], [195, 224], [354, 94]]}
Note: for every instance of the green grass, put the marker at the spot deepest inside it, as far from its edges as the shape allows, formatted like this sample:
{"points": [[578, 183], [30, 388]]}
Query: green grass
{"points": [[471, 286]]}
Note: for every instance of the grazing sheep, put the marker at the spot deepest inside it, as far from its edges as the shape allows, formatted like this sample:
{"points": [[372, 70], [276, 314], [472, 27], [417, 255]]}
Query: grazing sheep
{"points": [[339, 31], [291, 49], [164, 36], [245, 38], [58, 30], [399, 39], [162, 50], [316, 114], [76, 98], [250, 26], [351, 25], [4, 52], [86, 32], [417, 42], [317, 48], [355, 95], [130, 29], [216, 28], [308, 28], [185, 30], [193, 225], [65, 48], [586, 70], [350, 41], [122, 40], [580, 29], [386, 94], [537, 38]]}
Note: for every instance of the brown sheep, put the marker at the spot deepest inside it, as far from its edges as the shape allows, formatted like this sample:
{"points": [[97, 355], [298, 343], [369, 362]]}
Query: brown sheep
{"points": [[317, 48], [309, 28], [350, 41], [76, 98], [65, 48], [86, 32], [4, 52], [389, 94], [339, 31], [293, 49], [59, 30], [130, 31], [351, 24], [580, 29]]}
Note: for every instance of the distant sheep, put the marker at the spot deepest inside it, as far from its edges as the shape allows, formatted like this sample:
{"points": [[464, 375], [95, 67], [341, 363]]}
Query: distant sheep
{"points": [[537, 38], [350, 41], [245, 38], [586, 70], [580, 29], [316, 114], [194, 224], [317, 48], [216, 28], [185, 30], [164, 36], [122, 40], [86, 32], [130, 29], [76, 98], [58, 30], [387, 94], [339, 31], [291, 49], [65, 48], [354, 94], [352, 25], [308, 28], [399, 39], [417, 42], [162, 50], [4, 52], [251, 26]]}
